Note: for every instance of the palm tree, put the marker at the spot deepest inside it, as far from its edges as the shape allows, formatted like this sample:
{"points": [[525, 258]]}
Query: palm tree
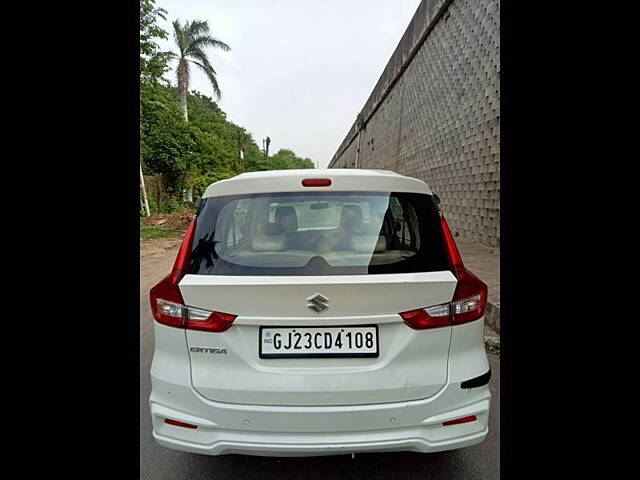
{"points": [[192, 38]]}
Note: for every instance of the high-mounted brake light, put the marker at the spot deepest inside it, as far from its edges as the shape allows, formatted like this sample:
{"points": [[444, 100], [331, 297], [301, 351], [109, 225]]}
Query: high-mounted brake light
{"points": [[316, 182], [168, 306], [469, 299]]}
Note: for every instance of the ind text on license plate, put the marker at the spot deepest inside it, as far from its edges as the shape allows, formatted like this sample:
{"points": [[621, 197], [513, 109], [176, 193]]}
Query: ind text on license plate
{"points": [[296, 342]]}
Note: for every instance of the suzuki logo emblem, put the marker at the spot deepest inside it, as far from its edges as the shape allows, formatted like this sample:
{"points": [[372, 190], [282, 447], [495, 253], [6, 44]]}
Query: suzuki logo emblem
{"points": [[317, 302]]}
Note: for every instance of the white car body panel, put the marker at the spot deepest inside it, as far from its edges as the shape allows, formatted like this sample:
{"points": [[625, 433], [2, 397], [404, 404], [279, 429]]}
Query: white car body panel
{"points": [[225, 428], [341, 180], [412, 363], [242, 403], [350, 295]]}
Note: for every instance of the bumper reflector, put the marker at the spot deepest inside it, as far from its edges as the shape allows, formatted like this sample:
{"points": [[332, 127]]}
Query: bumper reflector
{"points": [[179, 424], [470, 418]]}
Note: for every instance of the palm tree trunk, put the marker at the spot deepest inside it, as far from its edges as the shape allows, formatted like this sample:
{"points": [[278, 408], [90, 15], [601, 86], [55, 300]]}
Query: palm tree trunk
{"points": [[183, 102], [183, 85]]}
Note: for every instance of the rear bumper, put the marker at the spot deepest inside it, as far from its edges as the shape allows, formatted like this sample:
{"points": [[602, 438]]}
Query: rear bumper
{"points": [[309, 431], [308, 447], [273, 430]]}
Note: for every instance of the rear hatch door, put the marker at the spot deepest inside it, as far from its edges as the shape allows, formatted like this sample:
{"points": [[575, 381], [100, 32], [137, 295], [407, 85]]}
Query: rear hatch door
{"points": [[408, 364]]}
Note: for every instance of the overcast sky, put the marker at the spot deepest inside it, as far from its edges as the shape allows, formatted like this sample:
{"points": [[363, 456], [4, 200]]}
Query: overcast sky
{"points": [[299, 70]]}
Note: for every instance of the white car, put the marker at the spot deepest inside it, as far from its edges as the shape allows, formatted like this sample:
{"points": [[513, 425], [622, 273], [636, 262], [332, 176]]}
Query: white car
{"points": [[319, 312]]}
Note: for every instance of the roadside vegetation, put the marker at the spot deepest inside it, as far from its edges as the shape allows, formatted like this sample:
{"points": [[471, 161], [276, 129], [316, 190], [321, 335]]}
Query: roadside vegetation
{"points": [[152, 232], [184, 135], [166, 225]]}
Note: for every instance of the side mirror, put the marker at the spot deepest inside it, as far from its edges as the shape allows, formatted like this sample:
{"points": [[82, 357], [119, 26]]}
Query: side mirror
{"points": [[197, 203]]}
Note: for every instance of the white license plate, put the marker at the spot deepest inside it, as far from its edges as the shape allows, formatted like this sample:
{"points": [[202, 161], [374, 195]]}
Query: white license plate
{"points": [[296, 342]]}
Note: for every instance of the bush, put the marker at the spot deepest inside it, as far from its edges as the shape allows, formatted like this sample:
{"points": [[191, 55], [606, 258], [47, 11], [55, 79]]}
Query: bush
{"points": [[172, 204], [167, 140]]}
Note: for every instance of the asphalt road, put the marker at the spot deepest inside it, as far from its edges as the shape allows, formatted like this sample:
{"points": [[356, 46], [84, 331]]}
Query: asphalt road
{"points": [[477, 462]]}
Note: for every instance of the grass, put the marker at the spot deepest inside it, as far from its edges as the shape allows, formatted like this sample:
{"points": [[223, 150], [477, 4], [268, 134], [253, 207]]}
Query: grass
{"points": [[165, 225], [148, 232]]}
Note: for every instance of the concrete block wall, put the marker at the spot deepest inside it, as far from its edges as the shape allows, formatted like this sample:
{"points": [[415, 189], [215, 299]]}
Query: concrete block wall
{"points": [[435, 113]]}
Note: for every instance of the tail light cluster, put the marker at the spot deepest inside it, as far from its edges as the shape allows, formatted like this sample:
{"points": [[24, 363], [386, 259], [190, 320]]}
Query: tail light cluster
{"points": [[168, 306], [469, 299]]}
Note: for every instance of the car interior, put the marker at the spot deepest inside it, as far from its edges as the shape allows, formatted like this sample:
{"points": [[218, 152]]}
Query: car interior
{"points": [[253, 240]]}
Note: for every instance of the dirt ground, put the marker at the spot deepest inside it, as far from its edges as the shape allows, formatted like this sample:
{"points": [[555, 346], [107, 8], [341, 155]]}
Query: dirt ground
{"points": [[173, 221], [157, 246]]}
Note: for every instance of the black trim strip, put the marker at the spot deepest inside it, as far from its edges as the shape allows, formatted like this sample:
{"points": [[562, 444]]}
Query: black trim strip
{"points": [[477, 381]]}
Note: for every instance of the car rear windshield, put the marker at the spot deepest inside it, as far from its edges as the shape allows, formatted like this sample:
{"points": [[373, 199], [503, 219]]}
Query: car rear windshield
{"points": [[318, 233]]}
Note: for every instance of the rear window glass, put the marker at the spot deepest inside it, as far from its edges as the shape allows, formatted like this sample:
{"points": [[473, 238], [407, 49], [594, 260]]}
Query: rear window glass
{"points": [[318, 233]]}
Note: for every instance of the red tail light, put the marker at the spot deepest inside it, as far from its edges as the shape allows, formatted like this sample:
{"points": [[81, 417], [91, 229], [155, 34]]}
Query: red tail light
{"points": [[167, 304], [455, 260], [469, 299], [316, 182], [431, 317], [213, 322]]}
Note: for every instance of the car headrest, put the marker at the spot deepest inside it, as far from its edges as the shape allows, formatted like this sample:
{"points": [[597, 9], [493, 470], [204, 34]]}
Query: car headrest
{"points": [[287, 218], [268, 243], [351, 216], [369, 243]]}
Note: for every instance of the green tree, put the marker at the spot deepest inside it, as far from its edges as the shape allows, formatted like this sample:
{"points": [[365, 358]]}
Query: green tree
{"points": [[168, 142], [153, 61], [286, 159], [192, 38], [206, 148], [219, 149]]}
